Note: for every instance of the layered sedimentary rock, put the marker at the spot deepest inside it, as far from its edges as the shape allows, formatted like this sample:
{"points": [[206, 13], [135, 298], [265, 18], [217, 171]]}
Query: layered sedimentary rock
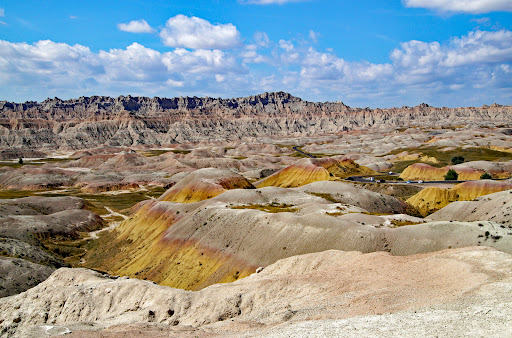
{"points": [[466, 171], [203, 184], [226, 237], [449, 293], [310, 170], [24, 224], [432, 198], [495, 207], [95, 121]]}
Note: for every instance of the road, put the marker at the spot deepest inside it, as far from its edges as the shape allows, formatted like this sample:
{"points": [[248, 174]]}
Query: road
{"points": [[364, 179], [296, 148]]}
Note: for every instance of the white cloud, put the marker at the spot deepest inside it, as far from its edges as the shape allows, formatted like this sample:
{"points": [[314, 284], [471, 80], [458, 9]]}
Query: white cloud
{"points": [[136, 26], [314, 36], [478, 47], [46, 62], [261, 39], [197, 33], [286, 45], [463, 6], [135, 63], [46, 65], [200, 62], [473, 68], [2, 12]]}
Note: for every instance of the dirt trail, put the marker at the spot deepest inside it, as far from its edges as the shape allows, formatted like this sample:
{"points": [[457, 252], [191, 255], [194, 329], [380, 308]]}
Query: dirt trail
{"points": [[112, 225]]}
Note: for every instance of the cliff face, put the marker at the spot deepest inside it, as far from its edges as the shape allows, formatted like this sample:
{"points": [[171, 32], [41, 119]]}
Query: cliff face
{"points": [[96, 121]]}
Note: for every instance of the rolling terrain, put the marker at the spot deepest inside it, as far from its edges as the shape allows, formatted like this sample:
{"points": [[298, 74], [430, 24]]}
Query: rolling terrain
{"points": [[209, 217]]}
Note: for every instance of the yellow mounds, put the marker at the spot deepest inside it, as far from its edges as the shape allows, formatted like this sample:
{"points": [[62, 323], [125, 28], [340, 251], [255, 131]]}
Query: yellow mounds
{"points": [[137, 248], [471, 190], [203, 184], [422, 171], [405, 156], [429, 159], [432, 199], [309, 170], [508, 150]]}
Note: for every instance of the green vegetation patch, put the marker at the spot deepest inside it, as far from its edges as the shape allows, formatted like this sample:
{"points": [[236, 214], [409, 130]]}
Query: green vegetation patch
{"points": [[117, 202], [400, 223], [445, 157], [183, 152], [95, 202], [327, 197], [154, 152], [271, 208]]}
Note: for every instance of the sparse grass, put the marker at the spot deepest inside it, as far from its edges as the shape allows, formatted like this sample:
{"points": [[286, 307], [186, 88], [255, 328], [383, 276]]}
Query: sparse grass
{"points": [[398, 223], [298, 155], [334, 214], [444, 157], [51, 160], [327, 197], [118, 202], [271, 208], [8, 194], [154, 152], [240, 157], [10, 164], [183, 152], [94, 202], [34, 162]]}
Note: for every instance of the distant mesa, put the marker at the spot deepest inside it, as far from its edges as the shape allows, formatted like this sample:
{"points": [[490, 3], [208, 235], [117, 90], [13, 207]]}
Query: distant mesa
{"points": [[125, 121]]}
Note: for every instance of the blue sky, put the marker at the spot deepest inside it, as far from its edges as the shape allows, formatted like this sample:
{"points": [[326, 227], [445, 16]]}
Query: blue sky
{"points": [[364, 53]]}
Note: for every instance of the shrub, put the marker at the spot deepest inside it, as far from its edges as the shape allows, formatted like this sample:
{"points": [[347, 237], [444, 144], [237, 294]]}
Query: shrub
{"points": [[20, 160], [457, 160], [451, 175], [486, 176]]}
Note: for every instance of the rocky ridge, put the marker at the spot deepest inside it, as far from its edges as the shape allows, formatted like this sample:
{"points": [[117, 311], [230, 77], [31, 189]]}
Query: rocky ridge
{"points": [[125, 121]]}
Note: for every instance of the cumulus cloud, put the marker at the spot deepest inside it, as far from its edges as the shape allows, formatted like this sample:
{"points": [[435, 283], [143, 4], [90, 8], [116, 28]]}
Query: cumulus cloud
{"points": [[462, 6], [136, 26], [193, 32], [417, 71], [48, 65], [478, 47], [201, 62], [46, 62], [432, 72]]}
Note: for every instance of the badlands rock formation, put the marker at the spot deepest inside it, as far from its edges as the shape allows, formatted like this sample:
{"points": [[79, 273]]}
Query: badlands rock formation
{"points": [[24, 225], [466, 171], [224, 238], [495, 207], [448, 293], [432, 199], [90, 122], [198, 192], [310, 170]]}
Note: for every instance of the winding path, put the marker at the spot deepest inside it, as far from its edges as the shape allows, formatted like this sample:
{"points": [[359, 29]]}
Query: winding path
{"points": [[112, 225]]}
